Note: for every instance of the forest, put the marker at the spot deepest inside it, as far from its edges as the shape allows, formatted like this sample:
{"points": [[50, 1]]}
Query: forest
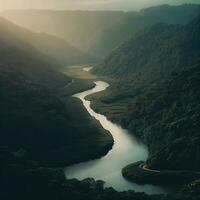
{"points": [[151, 60]]}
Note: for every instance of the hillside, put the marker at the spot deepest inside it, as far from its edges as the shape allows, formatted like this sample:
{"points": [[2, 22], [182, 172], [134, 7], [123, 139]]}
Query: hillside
{"points": [[79, 28], [155, 92], [17, 54], [50, 46], [39, 131], [154, 53], [171, 123], [98, 32], [131, 22], [34, 118]]}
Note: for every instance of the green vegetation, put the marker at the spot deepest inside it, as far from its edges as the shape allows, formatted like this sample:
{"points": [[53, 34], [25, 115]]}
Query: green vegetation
{"points": [[172, 117], [24, 178], [131, 22], [39, 128], [153, 53], [99, 32], [156, 93], [78, 72], [135, 173]]}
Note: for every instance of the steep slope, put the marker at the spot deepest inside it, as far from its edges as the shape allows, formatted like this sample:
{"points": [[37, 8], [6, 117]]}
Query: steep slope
{"points": [[16, 53], [60, 50], [155, 92], [33, 116], [154, 53], [77, 27], [131, 22], [40, 126], [167, 119], [51, 46]]}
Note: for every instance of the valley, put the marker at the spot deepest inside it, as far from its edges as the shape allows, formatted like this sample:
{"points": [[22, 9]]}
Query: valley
{"points": [[102, 169], [99, 104]]}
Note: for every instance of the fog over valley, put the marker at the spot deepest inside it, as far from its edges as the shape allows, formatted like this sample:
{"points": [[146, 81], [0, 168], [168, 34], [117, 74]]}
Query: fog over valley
{"points": [[88, 4], [100, 99]]}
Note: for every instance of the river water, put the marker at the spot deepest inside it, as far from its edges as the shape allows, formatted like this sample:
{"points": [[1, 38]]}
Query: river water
{"points": [[126, 150]]}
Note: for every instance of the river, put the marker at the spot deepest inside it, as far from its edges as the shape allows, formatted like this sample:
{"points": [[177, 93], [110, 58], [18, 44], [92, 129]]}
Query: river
{"points": [[126, 150]]}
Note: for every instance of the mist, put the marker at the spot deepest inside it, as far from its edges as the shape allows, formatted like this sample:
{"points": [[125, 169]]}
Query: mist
{"points": [[88, 4]]}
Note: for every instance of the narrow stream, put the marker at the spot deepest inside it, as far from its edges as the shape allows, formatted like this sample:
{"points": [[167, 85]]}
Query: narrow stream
{"points": [[126, 150]]}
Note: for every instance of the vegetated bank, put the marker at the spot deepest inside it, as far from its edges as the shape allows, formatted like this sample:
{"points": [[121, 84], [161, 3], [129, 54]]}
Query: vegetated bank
{"points": [[156, 93], [40, 131]]}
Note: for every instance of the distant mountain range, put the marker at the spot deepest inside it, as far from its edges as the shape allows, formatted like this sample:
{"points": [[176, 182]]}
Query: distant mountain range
{"points": [[154, 53], [50, 46], [79, 28], [98, 32], [131, 22], [154, 74]]}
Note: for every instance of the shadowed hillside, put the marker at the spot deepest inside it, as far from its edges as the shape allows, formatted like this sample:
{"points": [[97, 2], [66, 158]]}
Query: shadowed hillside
{"points": [[56, 48], [77, 27], [131, 22], [156, 92], [154, 53], [99, 32]]}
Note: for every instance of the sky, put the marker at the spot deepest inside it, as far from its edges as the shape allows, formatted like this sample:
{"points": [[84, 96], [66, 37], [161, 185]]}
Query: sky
{"points": [[87, 4]]}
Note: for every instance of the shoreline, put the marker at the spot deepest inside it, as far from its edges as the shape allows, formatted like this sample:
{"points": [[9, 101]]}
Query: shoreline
{"points": [[136, 172]]}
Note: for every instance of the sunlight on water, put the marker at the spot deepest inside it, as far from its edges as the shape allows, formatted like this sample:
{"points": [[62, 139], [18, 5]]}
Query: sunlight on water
{"points": [[126, 150], [87, 69]]}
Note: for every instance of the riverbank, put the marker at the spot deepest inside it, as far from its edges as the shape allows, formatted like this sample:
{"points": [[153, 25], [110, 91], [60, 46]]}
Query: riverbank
{"points": [[26, 178], [85, 139], [131, 172], [141, 174], [81, 80], [116, 112], [108, 168]]}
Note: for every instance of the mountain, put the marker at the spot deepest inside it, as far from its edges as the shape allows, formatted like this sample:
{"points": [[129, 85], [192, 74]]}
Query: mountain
{"points": [[40, 131], [77, 27], [131, 22], [155, 92], [171, 123], [57, 48], [39, 124], [154, 53], [99, 32], [51, 46], [33, 116], [16, 53]]}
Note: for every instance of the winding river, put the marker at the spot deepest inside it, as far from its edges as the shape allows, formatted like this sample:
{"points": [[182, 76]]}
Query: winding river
{"points": [[126, 150]]}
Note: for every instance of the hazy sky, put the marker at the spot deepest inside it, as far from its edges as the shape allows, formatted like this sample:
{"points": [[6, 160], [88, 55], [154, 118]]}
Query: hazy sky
{"points": [[87, 4]]}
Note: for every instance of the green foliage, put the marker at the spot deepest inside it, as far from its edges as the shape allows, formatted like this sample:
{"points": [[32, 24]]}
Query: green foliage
{"points": [[38, 128], [131, 22], [153, 53], [181, 178], [156, 92], [99, 32], [168, 120]]}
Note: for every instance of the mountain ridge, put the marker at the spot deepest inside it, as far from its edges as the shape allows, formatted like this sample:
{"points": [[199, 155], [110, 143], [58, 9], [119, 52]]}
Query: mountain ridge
{"points": [[155, 84], [49, 45]]}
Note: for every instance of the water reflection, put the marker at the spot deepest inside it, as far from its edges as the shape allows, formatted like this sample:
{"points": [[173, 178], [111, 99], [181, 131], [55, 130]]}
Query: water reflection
{"points": [[126, 150]]}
